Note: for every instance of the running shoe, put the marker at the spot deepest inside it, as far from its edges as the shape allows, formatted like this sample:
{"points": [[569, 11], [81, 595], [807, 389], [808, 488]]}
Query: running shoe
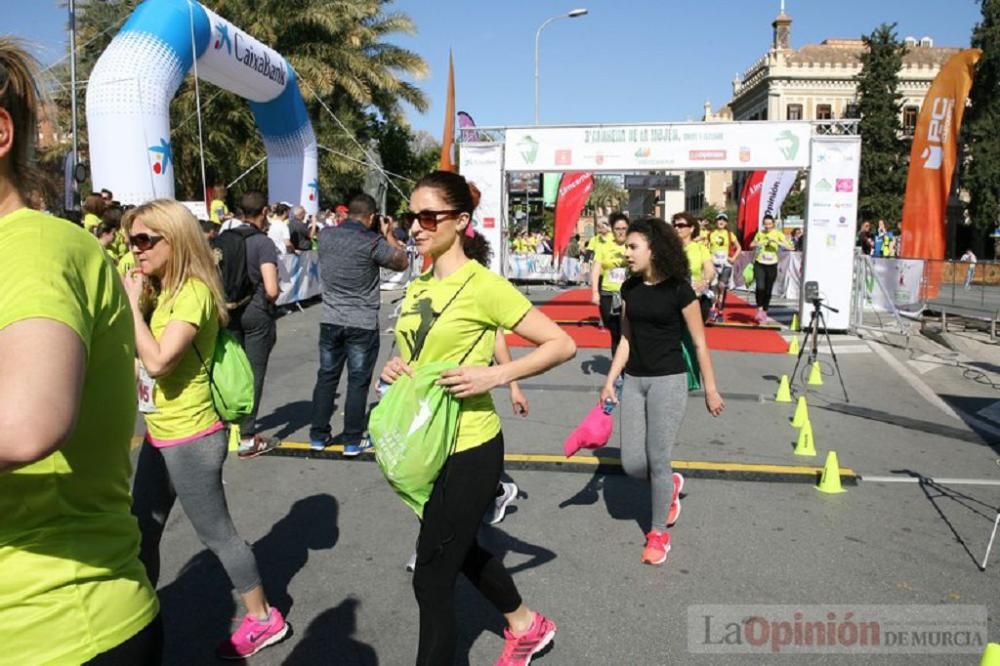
{"points": [[675, 502], [256, 446], [508, 491], [518, 650], [253, 636], [411, 564], [356, 448], [657, 547], [760, 317], [713, 316], [319, 444]]}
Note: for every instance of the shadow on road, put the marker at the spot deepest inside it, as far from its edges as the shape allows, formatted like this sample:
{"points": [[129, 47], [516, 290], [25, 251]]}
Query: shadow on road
{"points": [[599, 365], [329, 639], [625, 498], [289, 418]]}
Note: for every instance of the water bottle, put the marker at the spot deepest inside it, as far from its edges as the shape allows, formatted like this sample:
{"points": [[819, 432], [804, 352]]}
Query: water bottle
{"points": [[609, 406], [381, 388]]}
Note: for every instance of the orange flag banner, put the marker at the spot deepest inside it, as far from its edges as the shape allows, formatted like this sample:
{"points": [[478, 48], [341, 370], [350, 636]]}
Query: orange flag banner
{"points": [[448, 140], [933, 158]]}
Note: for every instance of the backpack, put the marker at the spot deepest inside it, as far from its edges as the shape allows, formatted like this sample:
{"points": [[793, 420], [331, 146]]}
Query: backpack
{"points": [[230, 249], [230, 377]]}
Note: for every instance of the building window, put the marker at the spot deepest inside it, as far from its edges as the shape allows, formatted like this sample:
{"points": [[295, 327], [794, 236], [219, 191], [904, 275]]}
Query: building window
{"points": [[910, 114], [851, 111], [794, 112], [824, 112]]}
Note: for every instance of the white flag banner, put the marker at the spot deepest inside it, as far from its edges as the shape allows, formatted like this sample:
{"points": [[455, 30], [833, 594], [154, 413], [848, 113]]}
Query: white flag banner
{"points": [[777, 184]]}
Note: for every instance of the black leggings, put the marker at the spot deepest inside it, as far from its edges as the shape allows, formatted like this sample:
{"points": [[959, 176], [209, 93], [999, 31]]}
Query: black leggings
{"points": [[447, 544], [764, 275], [143, 649], [612, 322]]}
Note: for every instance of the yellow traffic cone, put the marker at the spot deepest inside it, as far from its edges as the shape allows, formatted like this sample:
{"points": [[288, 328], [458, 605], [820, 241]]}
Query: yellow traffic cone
{"points": [[805, 446], [815, 375], [801, 413], [991, 655], [784, 391], [795, 322], [234, 437], [830, 481], [793, 347]]}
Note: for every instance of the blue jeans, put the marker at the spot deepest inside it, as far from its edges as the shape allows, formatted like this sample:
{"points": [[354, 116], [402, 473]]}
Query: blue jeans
{"points": [[358, 347]]}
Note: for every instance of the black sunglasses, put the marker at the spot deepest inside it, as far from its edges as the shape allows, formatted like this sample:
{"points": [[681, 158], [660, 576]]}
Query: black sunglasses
{"points": [[681, 225], [428, 219], [143, 242]]}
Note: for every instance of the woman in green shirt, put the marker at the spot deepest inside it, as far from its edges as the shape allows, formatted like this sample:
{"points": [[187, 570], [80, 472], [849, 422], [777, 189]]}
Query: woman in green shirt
{"points": [[765, 266], [607, 276]]}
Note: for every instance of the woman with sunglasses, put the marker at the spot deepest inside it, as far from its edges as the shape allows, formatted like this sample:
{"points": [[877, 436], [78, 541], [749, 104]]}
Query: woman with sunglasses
{"points": [[453, 310], [72, 588], [186, 444], [659, 305], [699, 259], [607, 275]]}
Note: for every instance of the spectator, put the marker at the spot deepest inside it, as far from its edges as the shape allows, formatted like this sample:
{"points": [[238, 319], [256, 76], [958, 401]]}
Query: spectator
{"points": [[235, 221], [107, 196], [297, 230], [106, 232], [93, 209], [209, 229], [340, 214], [217, 210], [278, 230], [865, 241], [253, 324], [350, 256], [883, 240], [797, 239], [72, 588], [970, 257]]}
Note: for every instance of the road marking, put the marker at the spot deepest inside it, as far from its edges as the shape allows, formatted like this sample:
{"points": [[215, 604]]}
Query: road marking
{"points": [[918, 384], [939, 481]]}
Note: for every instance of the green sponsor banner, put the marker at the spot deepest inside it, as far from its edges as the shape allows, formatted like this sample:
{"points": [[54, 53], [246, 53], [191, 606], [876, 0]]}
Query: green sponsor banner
{"points": [[550, 188]]}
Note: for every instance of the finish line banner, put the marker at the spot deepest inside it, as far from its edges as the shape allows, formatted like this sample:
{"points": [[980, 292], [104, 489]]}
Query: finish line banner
{"points": [[675, 147]]}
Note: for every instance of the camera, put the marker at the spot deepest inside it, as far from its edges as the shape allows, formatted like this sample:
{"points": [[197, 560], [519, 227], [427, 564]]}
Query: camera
{"points": [[812, 291]]}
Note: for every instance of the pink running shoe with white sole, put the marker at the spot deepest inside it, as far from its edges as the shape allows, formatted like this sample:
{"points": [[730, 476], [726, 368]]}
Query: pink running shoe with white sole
{"points": [[253, 636], [657, 547], [675, 503], [518, 650]]}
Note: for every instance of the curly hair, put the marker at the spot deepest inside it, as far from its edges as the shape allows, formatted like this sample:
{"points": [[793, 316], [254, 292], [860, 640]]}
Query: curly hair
{"points": [[669, 259]]}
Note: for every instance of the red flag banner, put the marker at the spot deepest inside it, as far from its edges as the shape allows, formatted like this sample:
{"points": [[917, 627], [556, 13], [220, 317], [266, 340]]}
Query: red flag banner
{"points": [[748, 216], [933, 157], [574, 190]]}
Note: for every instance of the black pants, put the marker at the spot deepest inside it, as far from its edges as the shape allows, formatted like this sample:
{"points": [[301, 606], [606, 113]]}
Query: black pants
{"points": [[612, 322], [143, 649], [447, 545], [764, 275], [257, 332]]}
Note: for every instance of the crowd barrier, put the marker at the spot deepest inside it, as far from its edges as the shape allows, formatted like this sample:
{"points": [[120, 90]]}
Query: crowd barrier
{"points": [[298, 277], [542, 268]]}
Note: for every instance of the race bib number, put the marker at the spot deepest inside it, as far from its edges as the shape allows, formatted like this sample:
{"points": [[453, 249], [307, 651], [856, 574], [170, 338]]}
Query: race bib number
{"points": [[146, 385], [616, 276]]}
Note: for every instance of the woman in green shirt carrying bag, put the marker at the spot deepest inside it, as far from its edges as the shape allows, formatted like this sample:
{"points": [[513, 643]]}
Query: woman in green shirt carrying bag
{"points": [[450, 312]]}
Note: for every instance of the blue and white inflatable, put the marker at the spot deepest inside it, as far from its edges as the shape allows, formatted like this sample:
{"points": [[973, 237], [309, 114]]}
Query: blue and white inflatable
{"points": [[130, 88]]}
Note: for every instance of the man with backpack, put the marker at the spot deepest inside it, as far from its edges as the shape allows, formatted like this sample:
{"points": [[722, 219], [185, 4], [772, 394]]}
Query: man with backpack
{"points": [[248, 262]]}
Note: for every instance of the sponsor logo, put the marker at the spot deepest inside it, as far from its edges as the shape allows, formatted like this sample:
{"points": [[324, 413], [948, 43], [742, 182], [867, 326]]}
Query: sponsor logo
{"points": [[821, 221], [564, 157], [529, 149], [745, 154], [788, 144], [313, 190], [258, 62], [222, 38], [706, 155], [489, 222], [161, 157], [643, 152], [824, 185], [845, 184], [937, 132], [822, 204], [842, 220]]}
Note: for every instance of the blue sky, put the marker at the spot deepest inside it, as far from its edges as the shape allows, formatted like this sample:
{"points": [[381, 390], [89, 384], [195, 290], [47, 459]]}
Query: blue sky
{"points": [[627, 61]]}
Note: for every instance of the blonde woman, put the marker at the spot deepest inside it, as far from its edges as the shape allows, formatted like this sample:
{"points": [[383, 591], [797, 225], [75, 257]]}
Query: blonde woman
{"points": [[185, 444]]}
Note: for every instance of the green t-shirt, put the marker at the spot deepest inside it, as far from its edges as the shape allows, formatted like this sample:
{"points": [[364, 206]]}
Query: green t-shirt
{"points": [[217, 210], [614, 268], [486, 303], [697, 255], [71, 584], [90, 222], [183, 398], [768, 243], [720, 243], [126, 263]]}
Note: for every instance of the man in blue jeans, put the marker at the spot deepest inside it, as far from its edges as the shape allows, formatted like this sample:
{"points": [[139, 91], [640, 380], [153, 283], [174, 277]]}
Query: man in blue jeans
{"points": [[350, 256]]}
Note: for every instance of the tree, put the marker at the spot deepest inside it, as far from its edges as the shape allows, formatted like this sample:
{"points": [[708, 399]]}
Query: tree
{"points": [[606, 196], [981, 129], [884, 153]]}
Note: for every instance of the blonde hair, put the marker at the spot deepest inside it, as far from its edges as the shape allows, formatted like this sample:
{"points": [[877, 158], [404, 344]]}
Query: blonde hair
{"points": [[190, 257], [21, 97]]}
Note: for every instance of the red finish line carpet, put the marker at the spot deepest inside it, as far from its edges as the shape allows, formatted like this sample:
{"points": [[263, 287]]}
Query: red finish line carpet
{"points": [[574, 312]]}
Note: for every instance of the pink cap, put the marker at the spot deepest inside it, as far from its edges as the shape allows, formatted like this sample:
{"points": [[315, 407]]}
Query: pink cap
{"points": [[592, 433]]}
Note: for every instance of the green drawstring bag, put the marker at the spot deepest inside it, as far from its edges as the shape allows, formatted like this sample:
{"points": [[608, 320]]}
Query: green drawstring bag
{"points": [[230, 377], [414, 429], [690, 361], [748, 274]]}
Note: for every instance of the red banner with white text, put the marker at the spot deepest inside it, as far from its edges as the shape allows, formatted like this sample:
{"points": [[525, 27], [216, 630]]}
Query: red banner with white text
{"points": [[574, 190]]}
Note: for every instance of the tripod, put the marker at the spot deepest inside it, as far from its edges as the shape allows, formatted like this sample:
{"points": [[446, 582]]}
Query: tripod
{"points": [[811, 343]]}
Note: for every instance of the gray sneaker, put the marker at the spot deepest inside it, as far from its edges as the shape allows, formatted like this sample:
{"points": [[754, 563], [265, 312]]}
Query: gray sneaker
{"points": [[508, 491]]}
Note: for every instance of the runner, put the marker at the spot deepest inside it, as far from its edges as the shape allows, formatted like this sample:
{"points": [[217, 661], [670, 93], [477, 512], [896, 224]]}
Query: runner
{"points": [[185, 444], [607, 275], [659, 304], [475, 302], [699, 260], [725, 248], [765, 266], [72, 588]]}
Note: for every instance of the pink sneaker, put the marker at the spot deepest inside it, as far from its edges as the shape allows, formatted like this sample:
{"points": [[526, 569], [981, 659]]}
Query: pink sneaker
{"points": [[518, 650], [760, 317], [253, 636], [657, 547], [675, 502]]}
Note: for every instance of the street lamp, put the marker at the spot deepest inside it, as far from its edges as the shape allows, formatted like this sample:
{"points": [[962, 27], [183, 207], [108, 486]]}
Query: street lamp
{"points": [[538, 36]]}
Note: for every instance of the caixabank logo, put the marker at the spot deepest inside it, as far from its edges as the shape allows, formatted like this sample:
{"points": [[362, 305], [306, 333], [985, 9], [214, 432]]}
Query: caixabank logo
{"points": [[161, 155], [222, 38], [313, 190]]}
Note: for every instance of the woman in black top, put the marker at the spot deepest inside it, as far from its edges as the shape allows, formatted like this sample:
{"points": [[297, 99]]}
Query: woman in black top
{"points": [[658, 304]]}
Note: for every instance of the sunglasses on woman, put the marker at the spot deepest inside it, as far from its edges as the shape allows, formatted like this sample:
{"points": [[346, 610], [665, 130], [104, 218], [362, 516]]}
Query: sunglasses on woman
{"points": [[428, 219], [681, 225], [143, 242]]}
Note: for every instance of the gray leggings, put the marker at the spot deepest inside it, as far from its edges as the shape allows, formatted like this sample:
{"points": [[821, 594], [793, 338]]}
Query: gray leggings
{"points": [[652, 411], [190, 472]]}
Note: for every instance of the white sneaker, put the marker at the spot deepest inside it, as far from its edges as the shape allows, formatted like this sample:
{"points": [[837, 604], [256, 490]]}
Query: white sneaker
{"points": [[502, 501], [411, 564]]}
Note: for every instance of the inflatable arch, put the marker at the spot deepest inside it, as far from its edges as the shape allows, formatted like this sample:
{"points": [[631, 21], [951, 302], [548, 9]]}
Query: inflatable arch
{"points": [[130, 88]]}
